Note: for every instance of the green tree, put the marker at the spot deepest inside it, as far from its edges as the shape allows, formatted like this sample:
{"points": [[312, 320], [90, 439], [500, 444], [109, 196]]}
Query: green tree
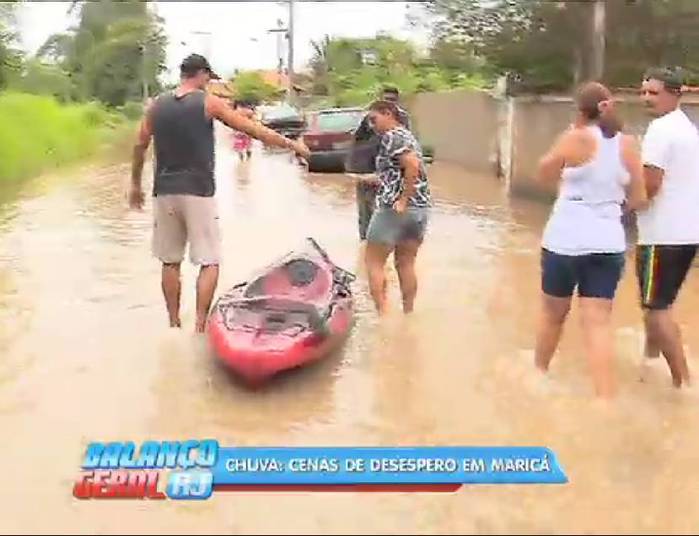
{"points": [[353, 71], [116, 49], [358, 68], [45, 79], [547, 42], [10, 55], [647, 32], [319, 66], [454, 55], [538, 40], [250, 86]]}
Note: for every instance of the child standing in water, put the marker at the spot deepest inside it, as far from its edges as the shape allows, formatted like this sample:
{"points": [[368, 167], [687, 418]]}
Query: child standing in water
{"points": [[242, 143]]}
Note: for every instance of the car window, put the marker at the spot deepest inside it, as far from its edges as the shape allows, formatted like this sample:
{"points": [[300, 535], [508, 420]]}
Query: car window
{"points": [[338, 121], [281, 112]]}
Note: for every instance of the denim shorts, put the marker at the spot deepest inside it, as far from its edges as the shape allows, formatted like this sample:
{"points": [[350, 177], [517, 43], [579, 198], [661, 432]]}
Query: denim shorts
{"points": [[595, 275], [390, 228]]}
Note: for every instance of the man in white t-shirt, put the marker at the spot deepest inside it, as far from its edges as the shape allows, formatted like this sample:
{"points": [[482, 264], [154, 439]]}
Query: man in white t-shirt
{"points": [[668, 230]]}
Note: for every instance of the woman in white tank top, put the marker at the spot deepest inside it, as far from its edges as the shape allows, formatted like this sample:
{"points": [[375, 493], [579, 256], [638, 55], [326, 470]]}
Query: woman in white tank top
{"points": [[599, 171]]}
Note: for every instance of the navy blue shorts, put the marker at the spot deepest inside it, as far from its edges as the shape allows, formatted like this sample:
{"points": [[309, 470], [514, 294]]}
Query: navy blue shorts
{"points": [[595, 275]]}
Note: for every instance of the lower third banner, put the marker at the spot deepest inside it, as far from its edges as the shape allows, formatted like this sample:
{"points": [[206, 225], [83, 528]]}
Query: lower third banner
{"points": [[446, 468]]}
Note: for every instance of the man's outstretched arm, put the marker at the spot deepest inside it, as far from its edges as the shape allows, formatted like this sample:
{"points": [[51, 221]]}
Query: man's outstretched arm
{"points": [[218, 109]]}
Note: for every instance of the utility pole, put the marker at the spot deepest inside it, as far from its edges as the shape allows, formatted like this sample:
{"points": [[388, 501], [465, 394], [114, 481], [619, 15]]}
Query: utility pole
{"points": [[289, 32], [599, 12], [143, 45], [145, 81], [290, 37], [280, 56], [281, 33], [144, 73]]}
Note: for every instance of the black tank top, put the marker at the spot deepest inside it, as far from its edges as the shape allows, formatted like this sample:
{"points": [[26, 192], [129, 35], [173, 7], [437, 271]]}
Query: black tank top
{"points": [[184, 146]]}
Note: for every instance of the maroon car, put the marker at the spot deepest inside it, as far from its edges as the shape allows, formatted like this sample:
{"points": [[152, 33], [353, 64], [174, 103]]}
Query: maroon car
{"points": [[329, 137]]}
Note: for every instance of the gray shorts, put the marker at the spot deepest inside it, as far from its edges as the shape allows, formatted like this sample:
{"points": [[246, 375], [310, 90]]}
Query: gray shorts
{"points": [[390, 228], [182, 219]]}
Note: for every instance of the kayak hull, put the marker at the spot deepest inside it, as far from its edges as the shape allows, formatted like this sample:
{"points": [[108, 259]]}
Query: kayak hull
{"points": [[293, 314]]}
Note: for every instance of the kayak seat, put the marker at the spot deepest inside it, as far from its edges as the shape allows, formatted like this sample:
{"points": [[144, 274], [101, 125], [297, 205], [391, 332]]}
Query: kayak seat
{"points": [[278, 314], [299, 279], [301, 272]]}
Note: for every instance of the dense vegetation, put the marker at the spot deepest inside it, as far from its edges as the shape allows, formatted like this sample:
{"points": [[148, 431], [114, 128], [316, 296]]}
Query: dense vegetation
{"points": [[81, 89]]}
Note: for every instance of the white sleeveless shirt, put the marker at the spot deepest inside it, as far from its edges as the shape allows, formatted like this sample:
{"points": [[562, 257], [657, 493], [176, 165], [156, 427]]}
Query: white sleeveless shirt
{"points": [[586, 217]]}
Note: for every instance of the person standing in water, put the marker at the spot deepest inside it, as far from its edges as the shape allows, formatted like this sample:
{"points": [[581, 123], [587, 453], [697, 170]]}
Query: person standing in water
{"points": [[399, 221], [368, 143], [584, 243], [668, 231], [181, 124], [242, 142]]}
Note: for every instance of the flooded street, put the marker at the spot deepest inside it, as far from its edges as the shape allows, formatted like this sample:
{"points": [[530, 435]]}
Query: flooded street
{"points": [[87, 356]]}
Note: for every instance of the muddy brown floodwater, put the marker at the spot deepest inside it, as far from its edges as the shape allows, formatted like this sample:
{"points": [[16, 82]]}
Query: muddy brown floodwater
{"points": [[86, 356]]}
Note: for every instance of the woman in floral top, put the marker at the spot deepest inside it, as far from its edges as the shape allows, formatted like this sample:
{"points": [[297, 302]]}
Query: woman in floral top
{"points": [[399, 223]]}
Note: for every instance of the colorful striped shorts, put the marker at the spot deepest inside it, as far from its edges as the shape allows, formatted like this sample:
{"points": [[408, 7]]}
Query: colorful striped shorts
{"points": [[661, 270]]}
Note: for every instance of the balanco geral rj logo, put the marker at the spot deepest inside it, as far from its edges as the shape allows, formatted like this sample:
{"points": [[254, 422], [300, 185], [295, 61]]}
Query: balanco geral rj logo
{"points": [[119, 470], [190, 485]]}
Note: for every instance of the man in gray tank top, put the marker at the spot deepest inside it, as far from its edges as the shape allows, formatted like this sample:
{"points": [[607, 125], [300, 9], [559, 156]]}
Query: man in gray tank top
{"points": [[181, 124]]}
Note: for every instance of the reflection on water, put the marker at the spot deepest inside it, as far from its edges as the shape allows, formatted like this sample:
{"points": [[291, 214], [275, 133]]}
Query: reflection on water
{"points": [[87, 356]]}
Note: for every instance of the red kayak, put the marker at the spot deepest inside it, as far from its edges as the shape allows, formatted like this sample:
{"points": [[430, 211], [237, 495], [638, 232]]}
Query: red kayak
{"points": [[296, 311]]}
